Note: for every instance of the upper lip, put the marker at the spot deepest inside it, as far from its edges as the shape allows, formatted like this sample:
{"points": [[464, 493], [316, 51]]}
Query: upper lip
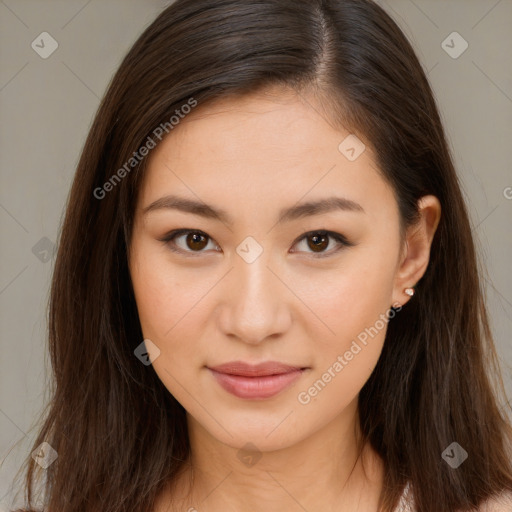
{"points": [[254, 370]]}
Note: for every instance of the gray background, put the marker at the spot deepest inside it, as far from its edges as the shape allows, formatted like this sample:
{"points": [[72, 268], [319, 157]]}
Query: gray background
{"points": [[47, 106]]}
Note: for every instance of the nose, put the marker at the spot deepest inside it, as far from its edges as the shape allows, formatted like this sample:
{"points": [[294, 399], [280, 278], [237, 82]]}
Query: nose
{"points": [[256, 302]]}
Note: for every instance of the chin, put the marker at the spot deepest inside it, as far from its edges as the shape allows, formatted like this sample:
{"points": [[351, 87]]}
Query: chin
{"points": [[265, 431]]}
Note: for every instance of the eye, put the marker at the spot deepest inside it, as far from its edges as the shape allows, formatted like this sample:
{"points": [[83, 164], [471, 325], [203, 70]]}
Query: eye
{"points": [[194, 241], [318, 241]]}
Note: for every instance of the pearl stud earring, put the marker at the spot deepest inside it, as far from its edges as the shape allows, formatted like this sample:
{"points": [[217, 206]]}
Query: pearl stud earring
{"points": [[409, 291]]}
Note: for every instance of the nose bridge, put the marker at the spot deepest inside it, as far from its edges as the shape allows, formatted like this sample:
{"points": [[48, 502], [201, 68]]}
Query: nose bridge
{"points": [[256, 304]]}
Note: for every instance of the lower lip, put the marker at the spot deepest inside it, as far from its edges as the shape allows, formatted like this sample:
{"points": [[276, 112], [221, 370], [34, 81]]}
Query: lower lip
{"points": [[256, 387]]}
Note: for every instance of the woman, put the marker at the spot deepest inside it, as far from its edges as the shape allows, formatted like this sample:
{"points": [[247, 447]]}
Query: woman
{"points": [[266, 295]]}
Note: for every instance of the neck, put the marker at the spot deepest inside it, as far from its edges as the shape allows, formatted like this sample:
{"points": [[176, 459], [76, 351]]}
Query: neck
{"points": [[321, 472]]}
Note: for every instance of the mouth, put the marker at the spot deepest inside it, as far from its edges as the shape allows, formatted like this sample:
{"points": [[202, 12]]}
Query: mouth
{"points": [[256, 382]]}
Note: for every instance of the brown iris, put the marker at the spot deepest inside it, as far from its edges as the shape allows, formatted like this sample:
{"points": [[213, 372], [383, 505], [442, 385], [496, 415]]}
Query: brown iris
{"points": [[319, 242], [196, 241]]}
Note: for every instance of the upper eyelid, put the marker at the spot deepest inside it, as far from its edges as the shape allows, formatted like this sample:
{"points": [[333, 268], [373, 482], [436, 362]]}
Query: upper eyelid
{"points": [[180, 232]]}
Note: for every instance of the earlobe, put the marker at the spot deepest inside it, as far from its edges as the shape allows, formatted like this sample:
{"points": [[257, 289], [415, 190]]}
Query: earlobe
{"points": [[415, 259]]}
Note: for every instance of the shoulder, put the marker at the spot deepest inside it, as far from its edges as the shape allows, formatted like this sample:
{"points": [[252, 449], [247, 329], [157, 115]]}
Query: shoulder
{"points": [[501, 503]]}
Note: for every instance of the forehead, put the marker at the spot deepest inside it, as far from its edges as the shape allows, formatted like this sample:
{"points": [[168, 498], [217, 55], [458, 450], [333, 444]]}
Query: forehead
{"points": [[277, 123], [261, 147]]}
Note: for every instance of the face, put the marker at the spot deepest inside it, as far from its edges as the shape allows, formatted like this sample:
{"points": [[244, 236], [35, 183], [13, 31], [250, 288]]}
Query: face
{"points": [[253, 274]]}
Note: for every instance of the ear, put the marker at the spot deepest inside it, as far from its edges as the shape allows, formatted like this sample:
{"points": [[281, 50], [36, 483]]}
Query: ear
{"points": [[415, 254]]}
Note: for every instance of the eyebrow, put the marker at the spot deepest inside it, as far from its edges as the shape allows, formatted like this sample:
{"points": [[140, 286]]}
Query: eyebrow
{"points": [[295, 212]]}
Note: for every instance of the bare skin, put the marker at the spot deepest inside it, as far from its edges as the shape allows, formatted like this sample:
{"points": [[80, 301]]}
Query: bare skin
{"points": [[298, 302]]}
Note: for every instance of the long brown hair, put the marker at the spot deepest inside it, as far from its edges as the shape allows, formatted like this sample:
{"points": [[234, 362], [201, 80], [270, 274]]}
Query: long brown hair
{"points": [[119, 434]]}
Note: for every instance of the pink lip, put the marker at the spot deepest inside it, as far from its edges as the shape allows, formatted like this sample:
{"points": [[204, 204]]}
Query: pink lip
{"points": [[255, 381]]}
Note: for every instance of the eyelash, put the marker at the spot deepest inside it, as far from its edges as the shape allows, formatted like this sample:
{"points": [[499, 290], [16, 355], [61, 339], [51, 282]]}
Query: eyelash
{"points": [[168, 240]]}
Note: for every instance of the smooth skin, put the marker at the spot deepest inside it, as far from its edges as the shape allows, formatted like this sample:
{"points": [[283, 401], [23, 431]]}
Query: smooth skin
{"points": [[303, 301]]}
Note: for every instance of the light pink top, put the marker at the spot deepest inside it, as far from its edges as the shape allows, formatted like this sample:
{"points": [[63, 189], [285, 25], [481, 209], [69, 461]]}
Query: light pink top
{"points": [[501, 504]]}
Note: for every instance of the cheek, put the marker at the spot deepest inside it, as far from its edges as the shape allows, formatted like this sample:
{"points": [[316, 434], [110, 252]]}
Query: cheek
{"points": [[345, 358], [354, 306], [353, 297], [167, 298], [169, 308], [174, 310]]}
